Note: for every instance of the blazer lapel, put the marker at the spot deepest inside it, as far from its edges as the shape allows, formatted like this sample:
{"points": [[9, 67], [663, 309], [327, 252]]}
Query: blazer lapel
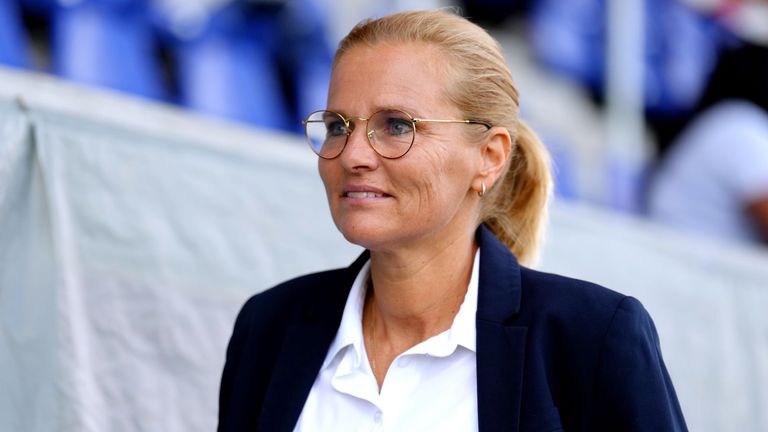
{"points": [[304, 348], [500, 346]]}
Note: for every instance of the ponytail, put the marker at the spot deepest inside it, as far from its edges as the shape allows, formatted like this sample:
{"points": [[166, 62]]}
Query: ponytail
{"points": [[516, 209]]}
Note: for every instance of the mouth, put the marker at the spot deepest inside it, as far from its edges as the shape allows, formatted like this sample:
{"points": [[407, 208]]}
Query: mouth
{"points": [[360, 195], [357, 193]]}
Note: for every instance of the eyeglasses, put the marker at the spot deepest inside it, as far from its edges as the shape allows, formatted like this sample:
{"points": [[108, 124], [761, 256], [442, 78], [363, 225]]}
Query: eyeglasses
{"points": [[390, 132]]}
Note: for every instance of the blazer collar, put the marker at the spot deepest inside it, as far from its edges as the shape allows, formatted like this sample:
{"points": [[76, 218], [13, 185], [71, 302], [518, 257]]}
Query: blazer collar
{"points": [[499, 296], [500, 344]]}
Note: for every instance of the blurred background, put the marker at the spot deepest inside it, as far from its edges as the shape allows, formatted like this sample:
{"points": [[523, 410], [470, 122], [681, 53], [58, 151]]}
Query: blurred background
{"points": [[153, 175], [609, 85]]}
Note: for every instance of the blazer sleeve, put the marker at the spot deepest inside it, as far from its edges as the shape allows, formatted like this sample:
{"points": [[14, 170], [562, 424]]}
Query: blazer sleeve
{"points": [[633, 389]]}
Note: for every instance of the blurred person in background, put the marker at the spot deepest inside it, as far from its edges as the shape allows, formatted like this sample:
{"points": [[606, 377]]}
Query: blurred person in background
{"points": [[714, 177], [436, 326]]}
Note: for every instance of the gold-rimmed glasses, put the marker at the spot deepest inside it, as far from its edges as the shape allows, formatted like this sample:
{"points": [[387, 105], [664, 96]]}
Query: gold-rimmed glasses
{"points": [[390, 132]]}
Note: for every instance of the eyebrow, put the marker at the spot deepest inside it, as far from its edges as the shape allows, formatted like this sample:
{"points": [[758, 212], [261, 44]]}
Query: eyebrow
{"points": [[410, 110], [376, 108]]}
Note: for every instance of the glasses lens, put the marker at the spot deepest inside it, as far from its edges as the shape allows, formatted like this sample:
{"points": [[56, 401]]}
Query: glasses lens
{"points": [[391, 133], [326, 133]]}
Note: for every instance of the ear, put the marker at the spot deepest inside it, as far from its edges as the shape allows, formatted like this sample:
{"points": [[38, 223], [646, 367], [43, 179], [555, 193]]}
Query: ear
{"points": [[495, 150]]}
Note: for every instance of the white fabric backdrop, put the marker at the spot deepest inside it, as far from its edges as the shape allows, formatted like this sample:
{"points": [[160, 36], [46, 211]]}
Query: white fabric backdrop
{"points": [[131, 233]]}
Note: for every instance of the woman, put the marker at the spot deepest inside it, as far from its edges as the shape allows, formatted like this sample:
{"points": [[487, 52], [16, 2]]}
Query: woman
{"points": [[436, 326]]}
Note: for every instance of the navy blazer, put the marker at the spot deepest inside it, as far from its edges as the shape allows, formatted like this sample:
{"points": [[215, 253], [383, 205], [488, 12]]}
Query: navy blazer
{"points": [[553, 353]]}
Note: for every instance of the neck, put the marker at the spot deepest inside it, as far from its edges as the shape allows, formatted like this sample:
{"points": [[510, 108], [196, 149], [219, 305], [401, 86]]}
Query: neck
{"points": [[415, 294], [418, 291]]}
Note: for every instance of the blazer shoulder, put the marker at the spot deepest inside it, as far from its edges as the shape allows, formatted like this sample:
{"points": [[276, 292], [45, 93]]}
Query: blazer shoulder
{"points": [[573, 308], [261, 328], [556, 289], [301, 291], [602, 353]]}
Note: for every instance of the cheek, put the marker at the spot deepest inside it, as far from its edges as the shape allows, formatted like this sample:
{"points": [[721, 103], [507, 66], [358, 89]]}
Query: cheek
{"points": [[325, 170], [442, 185]]}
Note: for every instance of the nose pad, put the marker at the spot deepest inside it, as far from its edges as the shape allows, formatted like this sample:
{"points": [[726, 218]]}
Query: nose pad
{"points": [[359, 152]]}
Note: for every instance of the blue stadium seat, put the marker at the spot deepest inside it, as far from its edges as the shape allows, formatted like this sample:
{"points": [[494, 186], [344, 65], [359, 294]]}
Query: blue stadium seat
{"points": [[229, 69], [311, 79], [680, 48], [681, 51], [108, 43], [13, 40], [309, 54], [569, 37]]}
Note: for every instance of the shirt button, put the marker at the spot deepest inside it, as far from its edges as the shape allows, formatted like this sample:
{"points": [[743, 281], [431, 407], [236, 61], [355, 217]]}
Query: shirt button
{"points": [[377, 417], [403, 362]]}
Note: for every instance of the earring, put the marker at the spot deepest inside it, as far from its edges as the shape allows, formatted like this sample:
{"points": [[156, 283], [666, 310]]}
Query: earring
{"points": [[482, 192]]}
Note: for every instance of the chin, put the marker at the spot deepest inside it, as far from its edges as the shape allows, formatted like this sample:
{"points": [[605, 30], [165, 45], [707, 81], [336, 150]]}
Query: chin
{"points": [[367, 237], [368, 234]]}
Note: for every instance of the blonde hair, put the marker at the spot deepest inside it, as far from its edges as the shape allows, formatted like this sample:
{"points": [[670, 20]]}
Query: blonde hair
{"points": [[515, 209]]}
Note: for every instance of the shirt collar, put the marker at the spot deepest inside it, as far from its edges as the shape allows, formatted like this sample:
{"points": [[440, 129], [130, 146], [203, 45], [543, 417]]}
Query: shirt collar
{"points": [[463, 330], [350, 329]]}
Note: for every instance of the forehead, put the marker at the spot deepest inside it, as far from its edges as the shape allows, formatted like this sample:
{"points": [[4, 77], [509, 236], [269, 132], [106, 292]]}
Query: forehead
{"points": [[409, 76]]}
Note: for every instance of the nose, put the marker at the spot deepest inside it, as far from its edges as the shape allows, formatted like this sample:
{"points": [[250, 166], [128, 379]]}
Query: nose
{"points": [[358, 154]]}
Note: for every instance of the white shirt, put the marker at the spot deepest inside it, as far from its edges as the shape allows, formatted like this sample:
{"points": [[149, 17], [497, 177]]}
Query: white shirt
{"points": [[716, 167], [430, 387]]}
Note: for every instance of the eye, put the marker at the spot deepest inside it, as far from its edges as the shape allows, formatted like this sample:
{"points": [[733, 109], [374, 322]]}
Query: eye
{"points": [[335, 128], [396, 126]]}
